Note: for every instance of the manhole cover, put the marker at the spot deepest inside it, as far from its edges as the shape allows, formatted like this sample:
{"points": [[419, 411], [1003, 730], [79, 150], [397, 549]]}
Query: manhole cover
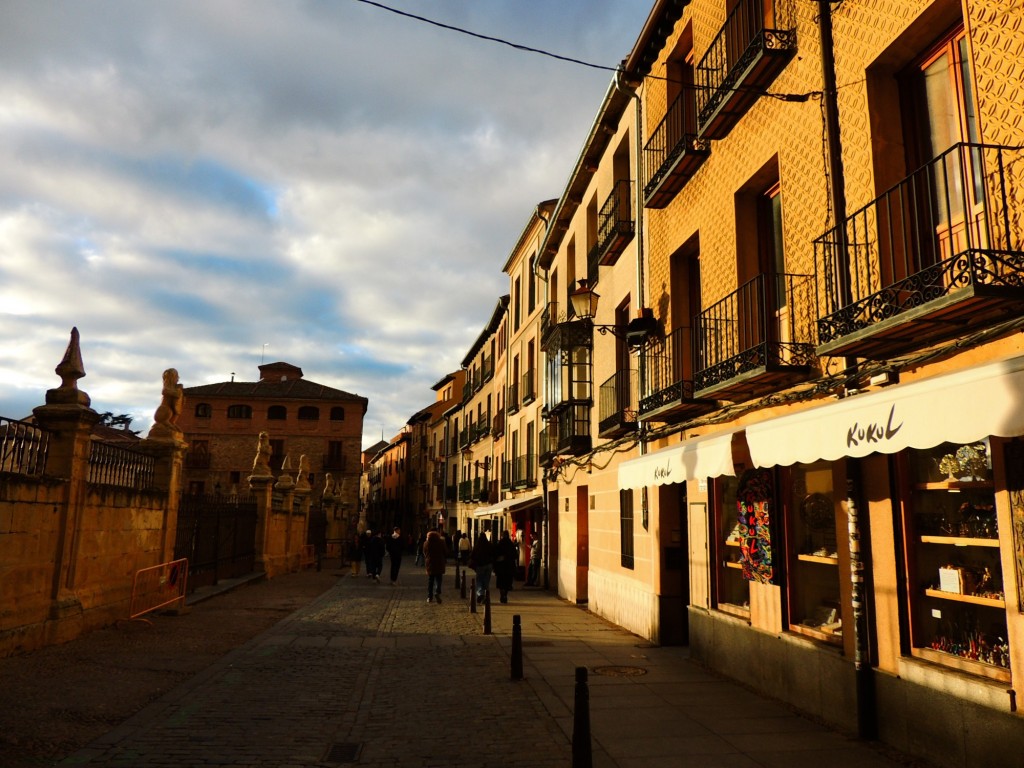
{"points": [[619, 671]]}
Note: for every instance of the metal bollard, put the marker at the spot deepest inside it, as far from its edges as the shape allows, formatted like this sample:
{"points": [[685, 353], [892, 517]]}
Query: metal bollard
{"points": [[582, 756], [472, 596], [487, 612], [517, 647]]}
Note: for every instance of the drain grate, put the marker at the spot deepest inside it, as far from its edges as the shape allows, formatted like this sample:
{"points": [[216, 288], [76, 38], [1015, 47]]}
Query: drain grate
{"points": [[345, 752], [614, 671]]}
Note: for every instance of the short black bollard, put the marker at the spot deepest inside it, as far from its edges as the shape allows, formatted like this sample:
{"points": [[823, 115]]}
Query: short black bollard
{"points": [[517, 647], [462, 586], [487, 612], [582, 756], [472, 596]]}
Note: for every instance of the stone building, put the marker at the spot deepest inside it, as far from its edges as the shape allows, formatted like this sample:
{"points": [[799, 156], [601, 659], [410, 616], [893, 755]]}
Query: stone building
{"points": [[222, 421]]}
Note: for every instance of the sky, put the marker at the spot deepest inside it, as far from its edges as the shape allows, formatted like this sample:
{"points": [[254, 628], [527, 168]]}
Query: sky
{"points": [[212, 184]]}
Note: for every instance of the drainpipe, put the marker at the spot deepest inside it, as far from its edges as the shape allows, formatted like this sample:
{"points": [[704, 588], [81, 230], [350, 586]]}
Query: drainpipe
{"points": [[867, 713], [640, 273]]}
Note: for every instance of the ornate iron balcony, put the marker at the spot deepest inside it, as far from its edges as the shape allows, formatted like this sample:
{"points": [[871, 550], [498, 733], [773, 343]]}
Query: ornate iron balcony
{"points": [[617, 404], [673, 153], [941, 249]]}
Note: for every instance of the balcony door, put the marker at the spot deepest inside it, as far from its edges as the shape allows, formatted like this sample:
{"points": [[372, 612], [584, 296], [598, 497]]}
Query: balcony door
{"points": [[939, 115]]}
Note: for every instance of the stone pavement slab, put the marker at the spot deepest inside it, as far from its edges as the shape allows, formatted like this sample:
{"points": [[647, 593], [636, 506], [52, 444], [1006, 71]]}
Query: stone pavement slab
{"points": [[371, 675]]}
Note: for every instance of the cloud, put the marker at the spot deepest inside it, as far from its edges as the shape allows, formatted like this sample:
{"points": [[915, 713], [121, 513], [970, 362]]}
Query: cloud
{"points": [[200, 185]]}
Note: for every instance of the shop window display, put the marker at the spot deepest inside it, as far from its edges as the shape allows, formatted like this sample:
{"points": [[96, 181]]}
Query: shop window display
{"points": [[955, 579], [745, 536], [733, 594], [814, 599]]}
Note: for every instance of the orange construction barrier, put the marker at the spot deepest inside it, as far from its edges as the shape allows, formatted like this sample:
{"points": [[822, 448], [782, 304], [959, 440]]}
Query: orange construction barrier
{"points": [[158, 586]]}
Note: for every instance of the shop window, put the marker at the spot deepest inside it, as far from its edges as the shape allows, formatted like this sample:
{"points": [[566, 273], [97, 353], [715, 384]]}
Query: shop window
{"points": [[814, 597], [239, 412], [277, 413], [747, 547], [955, 591], [203, 411]]}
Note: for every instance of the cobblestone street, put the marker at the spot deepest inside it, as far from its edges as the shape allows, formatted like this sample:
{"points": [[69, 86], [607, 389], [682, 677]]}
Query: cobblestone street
{"points": [[372, 675]]}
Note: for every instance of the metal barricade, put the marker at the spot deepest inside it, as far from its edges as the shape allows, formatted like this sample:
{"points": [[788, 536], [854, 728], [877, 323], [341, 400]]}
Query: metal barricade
{"points": [[158, 586]]}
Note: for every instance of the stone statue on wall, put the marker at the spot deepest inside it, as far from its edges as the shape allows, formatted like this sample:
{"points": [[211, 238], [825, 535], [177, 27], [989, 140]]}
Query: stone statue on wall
{"points": [[261, 464], [302, 478], [171, 402], [284, 480]]}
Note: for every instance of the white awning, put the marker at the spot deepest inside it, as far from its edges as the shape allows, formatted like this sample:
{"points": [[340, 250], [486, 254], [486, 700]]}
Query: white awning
{"points": [[508, 505], [960, 407], [709, 456]]}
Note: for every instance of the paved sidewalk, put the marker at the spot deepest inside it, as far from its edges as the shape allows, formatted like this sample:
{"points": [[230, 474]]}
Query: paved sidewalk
{"points": [[372, 676]]}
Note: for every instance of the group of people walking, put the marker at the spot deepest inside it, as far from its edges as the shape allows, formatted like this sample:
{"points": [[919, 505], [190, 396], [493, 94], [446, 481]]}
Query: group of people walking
{"points": [[484, 557]]}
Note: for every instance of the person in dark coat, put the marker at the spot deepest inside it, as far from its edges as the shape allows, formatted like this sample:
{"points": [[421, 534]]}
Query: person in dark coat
{"points": [[504, 564], [375, 555], [481, 560], [396, 548], [435, 558]]}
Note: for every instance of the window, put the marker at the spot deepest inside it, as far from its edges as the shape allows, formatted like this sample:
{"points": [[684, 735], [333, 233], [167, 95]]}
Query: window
{"points": [[277, 413], [335, 455], [309, 413], [531, 289], [338, 413], [239, 412], [626, 527], [203, 411]]}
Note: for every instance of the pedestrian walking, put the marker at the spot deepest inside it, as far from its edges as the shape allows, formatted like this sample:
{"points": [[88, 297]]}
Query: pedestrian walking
{"points": [[481, 560], [375, 556], [366, 537], [464, 548], [396, 548], [504, 565], [355, 552], [435, 557], [533, 575]]}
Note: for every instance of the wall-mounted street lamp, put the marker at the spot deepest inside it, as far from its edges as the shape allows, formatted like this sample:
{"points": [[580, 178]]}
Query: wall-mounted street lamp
{"points": [[635, 333]]}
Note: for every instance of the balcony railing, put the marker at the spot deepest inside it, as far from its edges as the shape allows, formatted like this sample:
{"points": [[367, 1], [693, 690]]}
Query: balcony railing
{"points": [[668, 388], [673, 153], [122, 467], [23, 447], [570, 429], [618, 404], [615, 227], [506, 474], [512, 400], [487, 367], [755, 339], [547, 444], [467, 388], [750, 50], [466, 490], [524, 472], [946, 244], [529, 389]]}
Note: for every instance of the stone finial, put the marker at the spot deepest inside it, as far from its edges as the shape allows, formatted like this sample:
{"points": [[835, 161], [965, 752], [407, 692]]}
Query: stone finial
{"points": [[172, 401], [285, 480], [70, 369], [302, 477], [261, 464]]}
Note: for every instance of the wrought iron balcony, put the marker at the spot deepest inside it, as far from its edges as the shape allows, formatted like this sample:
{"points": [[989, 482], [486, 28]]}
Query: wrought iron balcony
{"points": [[617, 404], [487, 367], [569, 428], [755, 340], [529, 389], [506, 474], [512, 399], [673, 153], [668, 389], [615, 226], [939, 253], [466, 490], [750, 50]]}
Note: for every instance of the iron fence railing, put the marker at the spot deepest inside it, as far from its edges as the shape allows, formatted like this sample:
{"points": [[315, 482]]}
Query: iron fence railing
{"points": [[618, 400], [953, 223], [674, 136], [23, 447], [118, 466], [766, 321]]}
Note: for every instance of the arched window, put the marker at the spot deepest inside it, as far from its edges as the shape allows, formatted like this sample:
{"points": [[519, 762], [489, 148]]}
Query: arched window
{"points": [[309, 413], [337, 413], [203, 411], [239, 412], [277, 412]]}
